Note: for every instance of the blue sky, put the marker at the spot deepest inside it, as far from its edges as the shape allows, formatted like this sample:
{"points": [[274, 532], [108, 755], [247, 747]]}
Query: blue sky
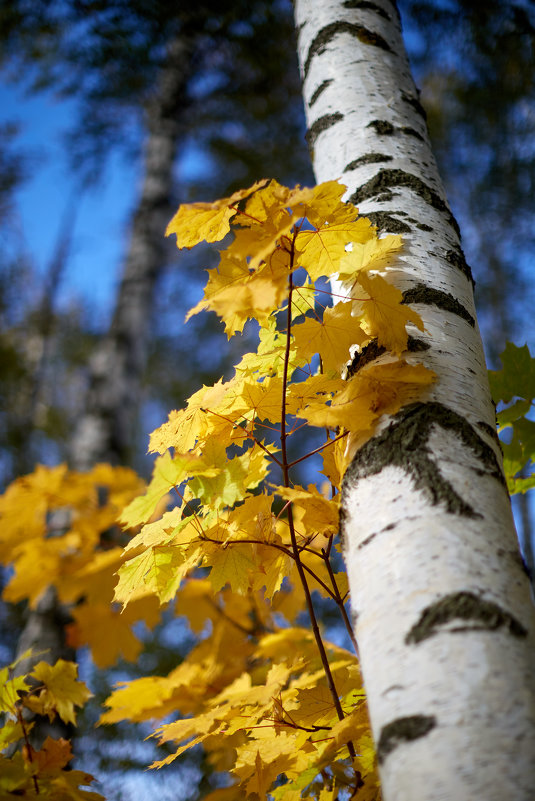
{"points": [[101, 229]]}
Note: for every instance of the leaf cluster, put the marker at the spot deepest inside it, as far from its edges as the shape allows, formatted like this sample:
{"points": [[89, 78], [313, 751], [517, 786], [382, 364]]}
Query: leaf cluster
{"points": [[282, 710], [224, 529], [54, 691]]}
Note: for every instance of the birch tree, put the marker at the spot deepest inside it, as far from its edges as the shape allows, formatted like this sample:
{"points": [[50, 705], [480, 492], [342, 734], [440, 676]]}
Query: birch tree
{"points": [[443, 618]]}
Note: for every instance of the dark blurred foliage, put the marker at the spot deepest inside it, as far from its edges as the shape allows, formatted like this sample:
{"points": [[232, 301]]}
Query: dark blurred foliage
{"points": [[475, 64]]}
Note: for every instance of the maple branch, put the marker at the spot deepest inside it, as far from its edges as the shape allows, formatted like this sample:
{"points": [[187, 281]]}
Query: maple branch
{"points": [[243, 629], [286, 550], [286, 478], [250, 434], [193, 512], [317, 450], [340, 602], [244, 213], [28, 747]]}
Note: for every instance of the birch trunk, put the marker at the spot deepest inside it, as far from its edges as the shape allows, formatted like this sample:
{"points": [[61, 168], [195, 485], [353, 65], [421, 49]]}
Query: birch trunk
{"points": [[443, 617]]}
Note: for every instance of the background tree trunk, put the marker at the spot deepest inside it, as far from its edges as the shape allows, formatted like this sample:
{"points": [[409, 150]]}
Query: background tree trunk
{"points": [[105, 431], [445, 626]]}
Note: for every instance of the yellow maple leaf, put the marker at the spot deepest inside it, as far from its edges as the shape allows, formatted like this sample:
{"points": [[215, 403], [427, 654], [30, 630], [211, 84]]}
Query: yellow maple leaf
{"points": [[143, 699], [61, 691], [184, 427], [383, 314], [9, 688], [159, 570], [318, 513], [324, 204], [233, 565], [255, 400], [320, 251], [353, 407], [268, 359], [210, 222], [331, 337], [374, 254], [108, 633], [272, 566], [315, 389], [168, 472]]}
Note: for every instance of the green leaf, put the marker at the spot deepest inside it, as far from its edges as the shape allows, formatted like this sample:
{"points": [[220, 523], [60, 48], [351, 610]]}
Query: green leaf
{"points": [[517, 378]]}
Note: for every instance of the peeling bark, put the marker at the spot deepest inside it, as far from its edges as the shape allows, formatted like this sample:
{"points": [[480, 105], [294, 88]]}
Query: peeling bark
{"points": [[444, 621]]}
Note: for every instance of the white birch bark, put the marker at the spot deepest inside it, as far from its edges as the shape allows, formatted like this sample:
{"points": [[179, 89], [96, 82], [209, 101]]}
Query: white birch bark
{"points": [[443, 617]]}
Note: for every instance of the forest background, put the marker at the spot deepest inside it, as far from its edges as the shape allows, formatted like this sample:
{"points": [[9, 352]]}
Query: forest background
{"points": [[78, 82]]}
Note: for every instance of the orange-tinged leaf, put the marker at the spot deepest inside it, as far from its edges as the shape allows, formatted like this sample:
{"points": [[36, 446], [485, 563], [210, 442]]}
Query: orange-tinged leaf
{"points": [[51, 757], [61, 692], [210, 222]]}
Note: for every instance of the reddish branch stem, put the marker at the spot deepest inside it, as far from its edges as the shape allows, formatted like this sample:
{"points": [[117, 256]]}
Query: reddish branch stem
{"points": [[286, 482]]}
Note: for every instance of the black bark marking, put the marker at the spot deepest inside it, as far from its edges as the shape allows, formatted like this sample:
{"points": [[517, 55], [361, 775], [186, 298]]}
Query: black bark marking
{"points": [[321, 88], [382, 127], [369, 158], [369, 539], [421, 226], [475, 613], [385, 221], [385, 128], [488, 429], [368, 354], [411, 132], [321, 125], [403, 730], [373, 350], [328, 33], [436, 297], [415, 103], [417, 345], [456, 257], [386, 179], [364, 5], [405, 444]]}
